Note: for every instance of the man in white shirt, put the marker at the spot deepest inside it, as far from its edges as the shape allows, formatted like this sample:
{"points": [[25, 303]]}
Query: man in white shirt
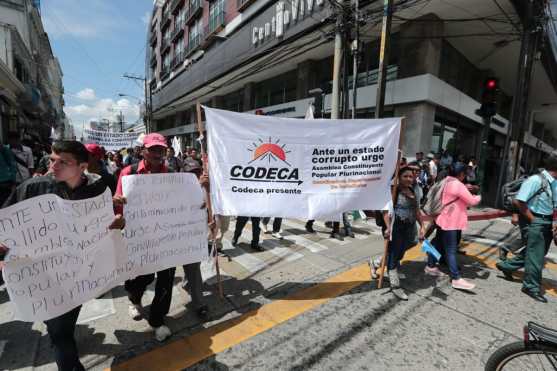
{"points": [[433, 162], [23, 157]]}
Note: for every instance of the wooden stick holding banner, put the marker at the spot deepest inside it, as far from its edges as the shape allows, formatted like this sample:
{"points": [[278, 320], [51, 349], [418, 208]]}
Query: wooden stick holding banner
{"points": [[212, 230], [394, 192]]}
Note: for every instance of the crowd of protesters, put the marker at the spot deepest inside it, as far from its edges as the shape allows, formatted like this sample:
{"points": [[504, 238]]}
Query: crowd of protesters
{"points": [[76, 171]]}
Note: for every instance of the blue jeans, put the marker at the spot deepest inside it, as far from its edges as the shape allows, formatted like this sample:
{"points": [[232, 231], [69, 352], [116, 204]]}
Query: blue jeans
{"points": [[403, 238], [446, 242], [61, 331]]}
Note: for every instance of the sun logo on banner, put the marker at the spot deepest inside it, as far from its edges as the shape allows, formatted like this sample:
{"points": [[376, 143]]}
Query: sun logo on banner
{"points": [[269, 150]]}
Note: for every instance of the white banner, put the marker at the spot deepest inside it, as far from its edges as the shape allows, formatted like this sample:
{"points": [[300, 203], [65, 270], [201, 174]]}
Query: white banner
{"points": [[306, 169], [110, 141], [62, 253], [165, 224]]}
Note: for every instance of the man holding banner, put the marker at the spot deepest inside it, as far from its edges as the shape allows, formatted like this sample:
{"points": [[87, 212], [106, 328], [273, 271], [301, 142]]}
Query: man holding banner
{"points": [[68, 180], [153, 162]]}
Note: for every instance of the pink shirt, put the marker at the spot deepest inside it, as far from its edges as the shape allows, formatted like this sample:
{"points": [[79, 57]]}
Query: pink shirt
{"points": [[454, 216]]}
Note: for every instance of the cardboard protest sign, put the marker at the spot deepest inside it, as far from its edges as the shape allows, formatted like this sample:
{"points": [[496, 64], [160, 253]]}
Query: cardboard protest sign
{"points": [[109, 140], [307, 169], [61, 253], [166, 225]]}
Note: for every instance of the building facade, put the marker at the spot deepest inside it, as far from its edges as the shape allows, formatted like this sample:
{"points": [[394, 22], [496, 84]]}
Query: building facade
{"points": [[31, 89], [272, 56]]}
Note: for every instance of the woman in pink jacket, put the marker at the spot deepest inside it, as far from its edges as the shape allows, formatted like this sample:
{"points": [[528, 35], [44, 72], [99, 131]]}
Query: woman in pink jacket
{"points": [[451, 221]]}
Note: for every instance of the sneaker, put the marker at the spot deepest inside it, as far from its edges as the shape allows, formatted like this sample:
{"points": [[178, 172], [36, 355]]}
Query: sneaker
{"points": [[349, 233], [162, 333], [134, 311], [462, 284], [433, 271], [309, 228], [257, 246], [393, 278], [399, 293], [277, 235], [264, 228]]}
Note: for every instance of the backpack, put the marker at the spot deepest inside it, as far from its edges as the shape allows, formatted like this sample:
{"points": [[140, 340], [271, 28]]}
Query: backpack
{"points": [[434, 203], [510, 190]]}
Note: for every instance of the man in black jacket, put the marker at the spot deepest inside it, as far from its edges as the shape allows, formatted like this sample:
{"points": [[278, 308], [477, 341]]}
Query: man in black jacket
{"points": [[67, 179]]}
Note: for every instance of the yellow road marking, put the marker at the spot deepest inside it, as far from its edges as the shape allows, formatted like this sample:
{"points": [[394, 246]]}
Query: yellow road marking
{"points": [[189, 351]]}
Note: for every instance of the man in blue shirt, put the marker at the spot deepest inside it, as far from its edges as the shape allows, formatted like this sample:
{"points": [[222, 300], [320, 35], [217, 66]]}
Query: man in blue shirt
{"points": [[536, 201]]}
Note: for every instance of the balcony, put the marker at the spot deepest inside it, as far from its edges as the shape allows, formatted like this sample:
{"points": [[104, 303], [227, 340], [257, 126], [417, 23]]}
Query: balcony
{"points": [[165, 20], [193, 44], [175, 5], [243, 4], [165, 44], [177, 60], [216, 25], [178, 29], [196, 7], [165, 71]]}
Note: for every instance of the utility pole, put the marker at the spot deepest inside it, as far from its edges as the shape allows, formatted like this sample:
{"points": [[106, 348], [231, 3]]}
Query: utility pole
{"points": [[148, 98], [384, 57], [335, 96], [515, 132], [355, 55]]}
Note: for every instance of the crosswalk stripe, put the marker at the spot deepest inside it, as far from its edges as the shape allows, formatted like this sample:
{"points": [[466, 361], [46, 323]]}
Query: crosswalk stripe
{"points": [[312, 246], [244, 258], [273, 246]]}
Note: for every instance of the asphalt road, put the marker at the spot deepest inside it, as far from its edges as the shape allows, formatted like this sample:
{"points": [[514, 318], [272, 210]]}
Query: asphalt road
{"points": [[307, 303]]}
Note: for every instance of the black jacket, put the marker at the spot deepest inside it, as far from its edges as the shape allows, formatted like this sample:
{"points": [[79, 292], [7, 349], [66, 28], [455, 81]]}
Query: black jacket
{"points": [[92, 186]]}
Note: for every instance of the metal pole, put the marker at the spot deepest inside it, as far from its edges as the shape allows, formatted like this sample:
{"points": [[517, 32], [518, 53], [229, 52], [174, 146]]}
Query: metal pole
{"points": [[515, 132], [355, 52], [384, 57], [483, 152], [335, 96]]}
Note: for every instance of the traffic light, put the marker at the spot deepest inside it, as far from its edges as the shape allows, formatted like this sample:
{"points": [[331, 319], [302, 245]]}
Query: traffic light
{"points": [[490, 89]]}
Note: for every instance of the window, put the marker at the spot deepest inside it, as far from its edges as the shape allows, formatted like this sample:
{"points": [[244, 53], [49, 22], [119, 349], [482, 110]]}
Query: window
{"points": [[194, 32], [277, 90], [179, 48], [166, 61], [181, 16], [216, 14]]}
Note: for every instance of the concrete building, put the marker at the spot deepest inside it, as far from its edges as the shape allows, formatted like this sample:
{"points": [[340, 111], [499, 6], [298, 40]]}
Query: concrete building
{"points": [[267, 55], [31, 89]]}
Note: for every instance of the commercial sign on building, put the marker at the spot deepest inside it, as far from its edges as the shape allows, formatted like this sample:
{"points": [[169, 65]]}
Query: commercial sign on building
{"points": [[286, 13]]}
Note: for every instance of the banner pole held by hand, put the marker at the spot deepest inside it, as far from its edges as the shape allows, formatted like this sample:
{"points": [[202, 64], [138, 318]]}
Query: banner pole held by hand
{"points": [[394, 192], [211, 217]]}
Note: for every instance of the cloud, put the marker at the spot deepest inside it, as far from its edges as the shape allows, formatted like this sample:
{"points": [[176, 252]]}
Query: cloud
{"points": [[87, 94], [146, 18], [81, 19], [101, 108]]}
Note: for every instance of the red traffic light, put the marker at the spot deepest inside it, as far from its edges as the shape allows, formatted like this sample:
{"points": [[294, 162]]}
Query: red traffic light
{"points": [[491, 84]]}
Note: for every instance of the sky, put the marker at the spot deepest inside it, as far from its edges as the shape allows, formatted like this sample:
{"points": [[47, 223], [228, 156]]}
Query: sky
{"points": [[96, 42]]}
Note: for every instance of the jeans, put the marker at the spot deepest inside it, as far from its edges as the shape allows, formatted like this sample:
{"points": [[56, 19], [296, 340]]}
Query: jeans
{"points": [[276, 223], [194, 285], [448, 240], [241, 222], [163, 293], [61, 331], [402, 239]]}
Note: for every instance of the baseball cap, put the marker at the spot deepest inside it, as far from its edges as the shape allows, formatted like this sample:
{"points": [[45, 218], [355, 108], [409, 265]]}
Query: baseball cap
{"points": [[154, 139], [94, 149]]}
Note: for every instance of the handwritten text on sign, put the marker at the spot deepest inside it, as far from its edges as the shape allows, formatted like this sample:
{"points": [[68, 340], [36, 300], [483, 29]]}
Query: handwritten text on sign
{"points": [[165, 224], [61, 253]]}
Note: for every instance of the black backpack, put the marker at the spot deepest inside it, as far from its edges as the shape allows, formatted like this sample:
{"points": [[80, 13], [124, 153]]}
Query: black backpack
{"points": [[510, 190]]}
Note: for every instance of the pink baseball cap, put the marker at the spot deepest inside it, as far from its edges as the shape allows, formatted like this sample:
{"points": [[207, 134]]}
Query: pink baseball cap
{"points": [[94, 149], [154, 139]]}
